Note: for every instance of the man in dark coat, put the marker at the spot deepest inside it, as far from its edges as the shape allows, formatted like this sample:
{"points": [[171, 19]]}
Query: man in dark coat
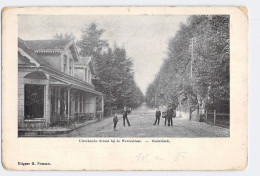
{"points": [[169, 116], [125, 117], [157, 116], [164, 115]]}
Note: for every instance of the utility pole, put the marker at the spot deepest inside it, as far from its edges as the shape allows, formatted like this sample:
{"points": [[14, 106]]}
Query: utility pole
{"points": [[192, 40], [155, 99]]}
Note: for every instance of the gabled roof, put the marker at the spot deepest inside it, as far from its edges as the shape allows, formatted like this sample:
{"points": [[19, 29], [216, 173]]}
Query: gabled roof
{"points": [[45, 66], [52, 46], [39, 45], [30, 54], [84, 61]]}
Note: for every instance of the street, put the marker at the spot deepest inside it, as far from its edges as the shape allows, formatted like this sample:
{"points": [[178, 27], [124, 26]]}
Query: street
{"points": [[142, 120]]}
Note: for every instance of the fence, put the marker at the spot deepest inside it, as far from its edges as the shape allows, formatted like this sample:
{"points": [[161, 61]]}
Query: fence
{"points": [[197, 114], [217, 119]]}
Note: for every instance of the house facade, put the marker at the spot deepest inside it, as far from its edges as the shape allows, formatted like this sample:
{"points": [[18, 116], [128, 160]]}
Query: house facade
{"points": [[54, 84]]}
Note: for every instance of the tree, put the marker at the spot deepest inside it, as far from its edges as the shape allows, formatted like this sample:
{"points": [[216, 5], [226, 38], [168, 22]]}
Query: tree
{"points": [[91, 42], [114, 70], [197, 66], [66, 36]]}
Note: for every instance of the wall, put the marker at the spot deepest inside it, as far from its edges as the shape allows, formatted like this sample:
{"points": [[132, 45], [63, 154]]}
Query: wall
{"points": [[90, 103], [23, 60], [21, 97], [54, 60], [79, 73], [68, 53]]}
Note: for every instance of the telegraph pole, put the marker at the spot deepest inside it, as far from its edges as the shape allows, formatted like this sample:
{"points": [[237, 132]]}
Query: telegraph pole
{"points": [[192, 39], [155, 100]]}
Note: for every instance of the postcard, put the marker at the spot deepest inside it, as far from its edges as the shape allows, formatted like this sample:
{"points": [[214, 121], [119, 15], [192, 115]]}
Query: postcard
{"points": [[124, 88]]}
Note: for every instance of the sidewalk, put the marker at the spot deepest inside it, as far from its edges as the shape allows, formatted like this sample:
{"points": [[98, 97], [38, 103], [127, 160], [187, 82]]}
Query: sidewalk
{"points": [[57, 130]]}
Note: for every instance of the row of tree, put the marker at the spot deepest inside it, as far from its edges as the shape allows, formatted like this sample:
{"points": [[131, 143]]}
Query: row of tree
{"points": [[114, 75], [196, 70]]}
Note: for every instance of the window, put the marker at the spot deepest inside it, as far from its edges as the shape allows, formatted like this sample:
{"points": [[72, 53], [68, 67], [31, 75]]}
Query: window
{"points": [[71, 67], [65, 64], [86, 75], [80, 103], [89, 76], [63, 101], [33, 101], [55, 101], [76, 103]]}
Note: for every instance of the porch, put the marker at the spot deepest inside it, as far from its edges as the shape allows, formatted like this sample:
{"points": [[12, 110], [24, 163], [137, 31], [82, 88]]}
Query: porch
{"points": [[72, 105], [49, 101]]}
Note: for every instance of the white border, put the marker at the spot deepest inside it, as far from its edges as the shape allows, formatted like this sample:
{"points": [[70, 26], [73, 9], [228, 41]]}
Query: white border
{"points": [[254, 71]]}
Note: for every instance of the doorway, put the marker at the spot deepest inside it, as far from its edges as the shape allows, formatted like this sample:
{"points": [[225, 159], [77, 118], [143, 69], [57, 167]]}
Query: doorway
{"points": [[33, 101]]}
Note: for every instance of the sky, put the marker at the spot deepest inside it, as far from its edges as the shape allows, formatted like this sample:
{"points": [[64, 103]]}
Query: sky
{"points": [[145, 37]]}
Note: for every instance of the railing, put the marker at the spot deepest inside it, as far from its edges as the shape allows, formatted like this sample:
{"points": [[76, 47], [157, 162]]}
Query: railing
{"points": [[84, 116], [32, 122], [77, 117], [210, 117], [217, 119], [59, 120], [36, 120]]}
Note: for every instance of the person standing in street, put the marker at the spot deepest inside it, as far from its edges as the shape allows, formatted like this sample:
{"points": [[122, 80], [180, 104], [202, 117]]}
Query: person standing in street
{"points": [[125, 117], [165, 117], [157, 116], [169, 115], [115, 120]]}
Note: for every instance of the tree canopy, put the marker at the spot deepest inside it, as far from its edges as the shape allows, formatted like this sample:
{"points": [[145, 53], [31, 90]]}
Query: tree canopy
{"points": [[196, 69], [66, 36], [114, 75]]}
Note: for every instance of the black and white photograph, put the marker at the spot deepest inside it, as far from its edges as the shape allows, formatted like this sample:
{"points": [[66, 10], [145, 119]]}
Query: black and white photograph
{"points": [[125, 88], [135, 76]]}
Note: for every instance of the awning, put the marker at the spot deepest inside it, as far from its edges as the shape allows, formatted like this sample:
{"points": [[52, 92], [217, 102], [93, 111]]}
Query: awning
{"points": [[36, 75], [92, 91], [57, 82]]}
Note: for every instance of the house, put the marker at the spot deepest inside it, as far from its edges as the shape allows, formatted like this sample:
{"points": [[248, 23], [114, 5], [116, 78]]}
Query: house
{"points": [[54, 84]]}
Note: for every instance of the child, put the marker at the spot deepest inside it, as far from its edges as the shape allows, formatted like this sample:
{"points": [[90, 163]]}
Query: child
{"points": [[115, 120]]}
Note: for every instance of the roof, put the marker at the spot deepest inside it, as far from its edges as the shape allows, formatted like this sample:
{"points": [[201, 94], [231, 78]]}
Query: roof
{"points": [[38, 45], [83, 61], [52, 46], [32, 54], [45, 65]]}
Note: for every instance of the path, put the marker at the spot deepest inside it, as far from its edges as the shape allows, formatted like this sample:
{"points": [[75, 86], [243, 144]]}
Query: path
{"points": [[142, 120]]}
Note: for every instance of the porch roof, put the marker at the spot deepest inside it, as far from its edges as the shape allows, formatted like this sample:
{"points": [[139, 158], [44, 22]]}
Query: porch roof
{"points": [[61, 79], [66, 83]]}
